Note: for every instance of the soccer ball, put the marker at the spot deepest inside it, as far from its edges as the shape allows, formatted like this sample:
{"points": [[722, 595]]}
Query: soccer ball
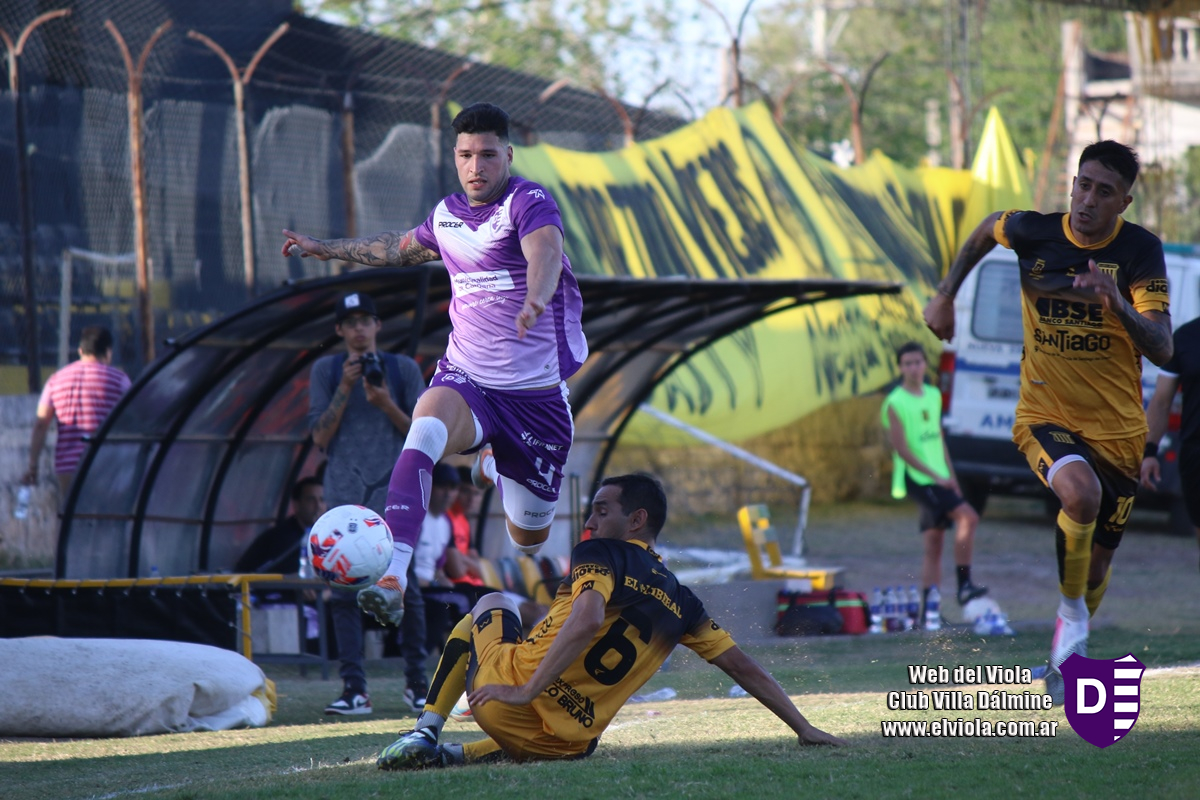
{"points": [[350, 547]]}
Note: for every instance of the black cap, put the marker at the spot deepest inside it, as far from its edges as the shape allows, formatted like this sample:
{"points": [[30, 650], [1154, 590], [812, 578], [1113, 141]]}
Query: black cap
{"points": [[354, 303], [445, 475]]}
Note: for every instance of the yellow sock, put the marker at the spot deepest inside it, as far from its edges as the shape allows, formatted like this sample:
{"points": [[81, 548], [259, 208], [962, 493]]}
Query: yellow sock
{"points": [[1094, 596], [483, 750], [450, 677], [1076, 556]]}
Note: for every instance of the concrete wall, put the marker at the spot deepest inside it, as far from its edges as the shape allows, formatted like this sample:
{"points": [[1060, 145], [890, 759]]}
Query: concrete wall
{"points": [[29, 542]]}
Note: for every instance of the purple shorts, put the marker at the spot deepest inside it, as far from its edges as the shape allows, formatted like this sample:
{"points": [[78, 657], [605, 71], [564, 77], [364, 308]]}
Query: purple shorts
{"points": [[530, 430]]}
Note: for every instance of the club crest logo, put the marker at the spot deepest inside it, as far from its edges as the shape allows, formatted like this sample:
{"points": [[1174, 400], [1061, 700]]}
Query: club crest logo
{"points": [[1102, 697]]}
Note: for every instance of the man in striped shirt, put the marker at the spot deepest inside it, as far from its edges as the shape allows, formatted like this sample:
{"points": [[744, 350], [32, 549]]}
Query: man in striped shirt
{"points": [[79, 397]]}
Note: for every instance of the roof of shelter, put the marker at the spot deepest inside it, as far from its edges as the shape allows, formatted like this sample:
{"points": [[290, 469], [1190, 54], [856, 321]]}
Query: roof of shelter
{"points": [[200, 455]]}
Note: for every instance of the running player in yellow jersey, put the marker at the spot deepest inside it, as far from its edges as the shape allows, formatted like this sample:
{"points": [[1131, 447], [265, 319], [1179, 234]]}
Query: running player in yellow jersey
{"points": [[611, 626], [1094, 301]]}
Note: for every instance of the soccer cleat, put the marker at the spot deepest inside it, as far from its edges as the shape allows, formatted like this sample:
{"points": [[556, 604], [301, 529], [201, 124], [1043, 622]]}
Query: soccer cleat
{"points": [[969, 591], [413, 750], [1069, 637], [1056, 687], [350, 702], [480, 480], [415, 696], [384, 600]]}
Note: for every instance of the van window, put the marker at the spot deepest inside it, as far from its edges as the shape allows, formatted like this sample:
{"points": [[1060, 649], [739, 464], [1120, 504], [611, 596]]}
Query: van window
{"points": [[996, 316]]}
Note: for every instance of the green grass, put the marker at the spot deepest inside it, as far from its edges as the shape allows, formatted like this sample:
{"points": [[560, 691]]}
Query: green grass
{"points": [[702, 744]]}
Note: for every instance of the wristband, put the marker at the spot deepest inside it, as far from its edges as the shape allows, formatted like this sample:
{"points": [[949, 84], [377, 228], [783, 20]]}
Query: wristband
{"points": [[1151, 450]]}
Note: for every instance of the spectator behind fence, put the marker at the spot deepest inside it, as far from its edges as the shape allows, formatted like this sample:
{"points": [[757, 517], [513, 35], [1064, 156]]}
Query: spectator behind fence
{"points": [[360, 407], [78, 398], [277, 549]]}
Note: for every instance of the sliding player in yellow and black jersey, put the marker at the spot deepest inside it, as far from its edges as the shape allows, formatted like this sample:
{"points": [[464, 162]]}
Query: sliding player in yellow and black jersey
{"points": [[608, 631], [1094, 301]]}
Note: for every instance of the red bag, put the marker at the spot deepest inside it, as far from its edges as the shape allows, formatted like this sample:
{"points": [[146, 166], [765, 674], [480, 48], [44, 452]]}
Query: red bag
{"points": [[852, 606]]}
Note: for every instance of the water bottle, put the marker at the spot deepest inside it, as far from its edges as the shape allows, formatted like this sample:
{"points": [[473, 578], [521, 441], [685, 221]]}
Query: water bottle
{"points": [[304, 571], [876, 610], [933, 610], [914, 609], [21, 509], [154, 571], [890, 620]]}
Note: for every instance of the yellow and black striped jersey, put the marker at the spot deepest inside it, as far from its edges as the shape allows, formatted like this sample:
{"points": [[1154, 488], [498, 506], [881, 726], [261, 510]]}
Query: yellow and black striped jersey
{"points": [[1080, 370], [647, 612]]}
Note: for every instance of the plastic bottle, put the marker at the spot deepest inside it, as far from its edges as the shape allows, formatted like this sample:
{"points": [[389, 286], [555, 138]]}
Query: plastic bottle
{"points": [[933, 610], [154, 571], [304, 571], [24, 495], [876, 608], [914, 609], [891, 619]]}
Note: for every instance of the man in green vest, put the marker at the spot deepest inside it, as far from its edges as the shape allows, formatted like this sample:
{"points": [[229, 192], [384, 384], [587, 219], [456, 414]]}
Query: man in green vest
{"points": [[912, 417]]}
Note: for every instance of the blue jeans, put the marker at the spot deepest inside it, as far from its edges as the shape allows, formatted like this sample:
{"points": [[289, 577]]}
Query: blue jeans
{"points": [[348, 633]]}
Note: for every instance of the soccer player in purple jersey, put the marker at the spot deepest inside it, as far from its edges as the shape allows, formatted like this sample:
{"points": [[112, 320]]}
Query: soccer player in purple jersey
{"points": [[500, 390]]}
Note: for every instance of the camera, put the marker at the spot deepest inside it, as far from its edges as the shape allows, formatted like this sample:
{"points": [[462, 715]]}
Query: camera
{"points": [[372, 368]]}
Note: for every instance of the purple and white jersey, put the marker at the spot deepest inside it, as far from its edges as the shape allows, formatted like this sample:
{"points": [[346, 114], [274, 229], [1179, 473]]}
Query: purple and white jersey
{"points": [[481, 246]]}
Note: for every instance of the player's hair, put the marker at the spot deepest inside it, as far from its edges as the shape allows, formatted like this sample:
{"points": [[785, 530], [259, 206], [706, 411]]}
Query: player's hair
{"points": [[1120, 158], [482, 118], [640, 490], [910, 347], [96, 340], [299, 486]]}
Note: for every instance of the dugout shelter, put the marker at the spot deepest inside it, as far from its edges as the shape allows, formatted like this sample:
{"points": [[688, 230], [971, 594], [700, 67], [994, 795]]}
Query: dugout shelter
{"points": [[201, 453]]}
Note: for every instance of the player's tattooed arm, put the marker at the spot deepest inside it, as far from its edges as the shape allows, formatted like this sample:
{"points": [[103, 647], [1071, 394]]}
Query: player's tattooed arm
{"points": [[387, 249], [1150, 332], [978, 244], [939, 311]]}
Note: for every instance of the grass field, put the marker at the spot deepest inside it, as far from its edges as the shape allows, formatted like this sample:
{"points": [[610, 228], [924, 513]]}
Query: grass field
{"points": [[704, 744]]}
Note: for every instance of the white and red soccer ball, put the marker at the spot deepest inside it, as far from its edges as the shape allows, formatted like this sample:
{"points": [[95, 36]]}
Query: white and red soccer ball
{"points": [[350, 547]]}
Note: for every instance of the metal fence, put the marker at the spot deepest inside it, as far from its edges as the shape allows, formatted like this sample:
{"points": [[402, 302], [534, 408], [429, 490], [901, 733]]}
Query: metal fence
{"points": [[344, 132]]}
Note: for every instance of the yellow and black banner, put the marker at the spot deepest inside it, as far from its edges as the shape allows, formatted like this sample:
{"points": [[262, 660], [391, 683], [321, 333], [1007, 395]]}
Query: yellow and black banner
{"points": [[729, 197]]}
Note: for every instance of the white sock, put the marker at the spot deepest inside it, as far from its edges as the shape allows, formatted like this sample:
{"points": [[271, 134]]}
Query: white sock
{"points": [[401, 557], [428, 719], [1073, 609], [487, 465], [428, 435]]}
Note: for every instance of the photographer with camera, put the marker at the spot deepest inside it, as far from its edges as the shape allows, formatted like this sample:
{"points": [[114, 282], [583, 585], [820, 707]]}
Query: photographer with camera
{"points": [[360, 409]]}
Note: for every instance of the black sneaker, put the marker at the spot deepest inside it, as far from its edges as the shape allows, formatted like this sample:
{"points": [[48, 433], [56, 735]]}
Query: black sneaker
{"points": [[350, 702], [415, 695], [969, 591]]}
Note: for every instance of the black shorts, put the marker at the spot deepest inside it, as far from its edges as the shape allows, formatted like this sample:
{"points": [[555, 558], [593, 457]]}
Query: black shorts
{"points": [[1117, 490], [936, 503], [1189, 481]]}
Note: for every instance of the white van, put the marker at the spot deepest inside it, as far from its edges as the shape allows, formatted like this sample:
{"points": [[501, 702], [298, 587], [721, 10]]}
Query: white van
{"points": [[980, 375]]}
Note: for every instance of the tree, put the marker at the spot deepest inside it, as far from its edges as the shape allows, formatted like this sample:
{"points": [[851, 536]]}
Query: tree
{"points": [[1004, 52]]}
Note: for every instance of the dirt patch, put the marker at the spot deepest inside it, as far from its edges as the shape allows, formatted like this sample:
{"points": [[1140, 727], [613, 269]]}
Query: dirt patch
{"points": [[877, 543]]}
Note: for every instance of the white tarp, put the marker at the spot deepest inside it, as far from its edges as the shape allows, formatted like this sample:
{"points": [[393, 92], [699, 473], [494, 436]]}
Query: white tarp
{"points": [[127, 687]]}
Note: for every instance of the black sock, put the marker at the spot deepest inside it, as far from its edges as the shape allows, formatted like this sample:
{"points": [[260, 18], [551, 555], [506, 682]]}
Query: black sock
{"points": [[963, 574]]}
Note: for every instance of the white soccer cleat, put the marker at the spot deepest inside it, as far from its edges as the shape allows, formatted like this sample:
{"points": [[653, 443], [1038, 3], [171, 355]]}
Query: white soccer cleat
{"points": [[1069, 637]]}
